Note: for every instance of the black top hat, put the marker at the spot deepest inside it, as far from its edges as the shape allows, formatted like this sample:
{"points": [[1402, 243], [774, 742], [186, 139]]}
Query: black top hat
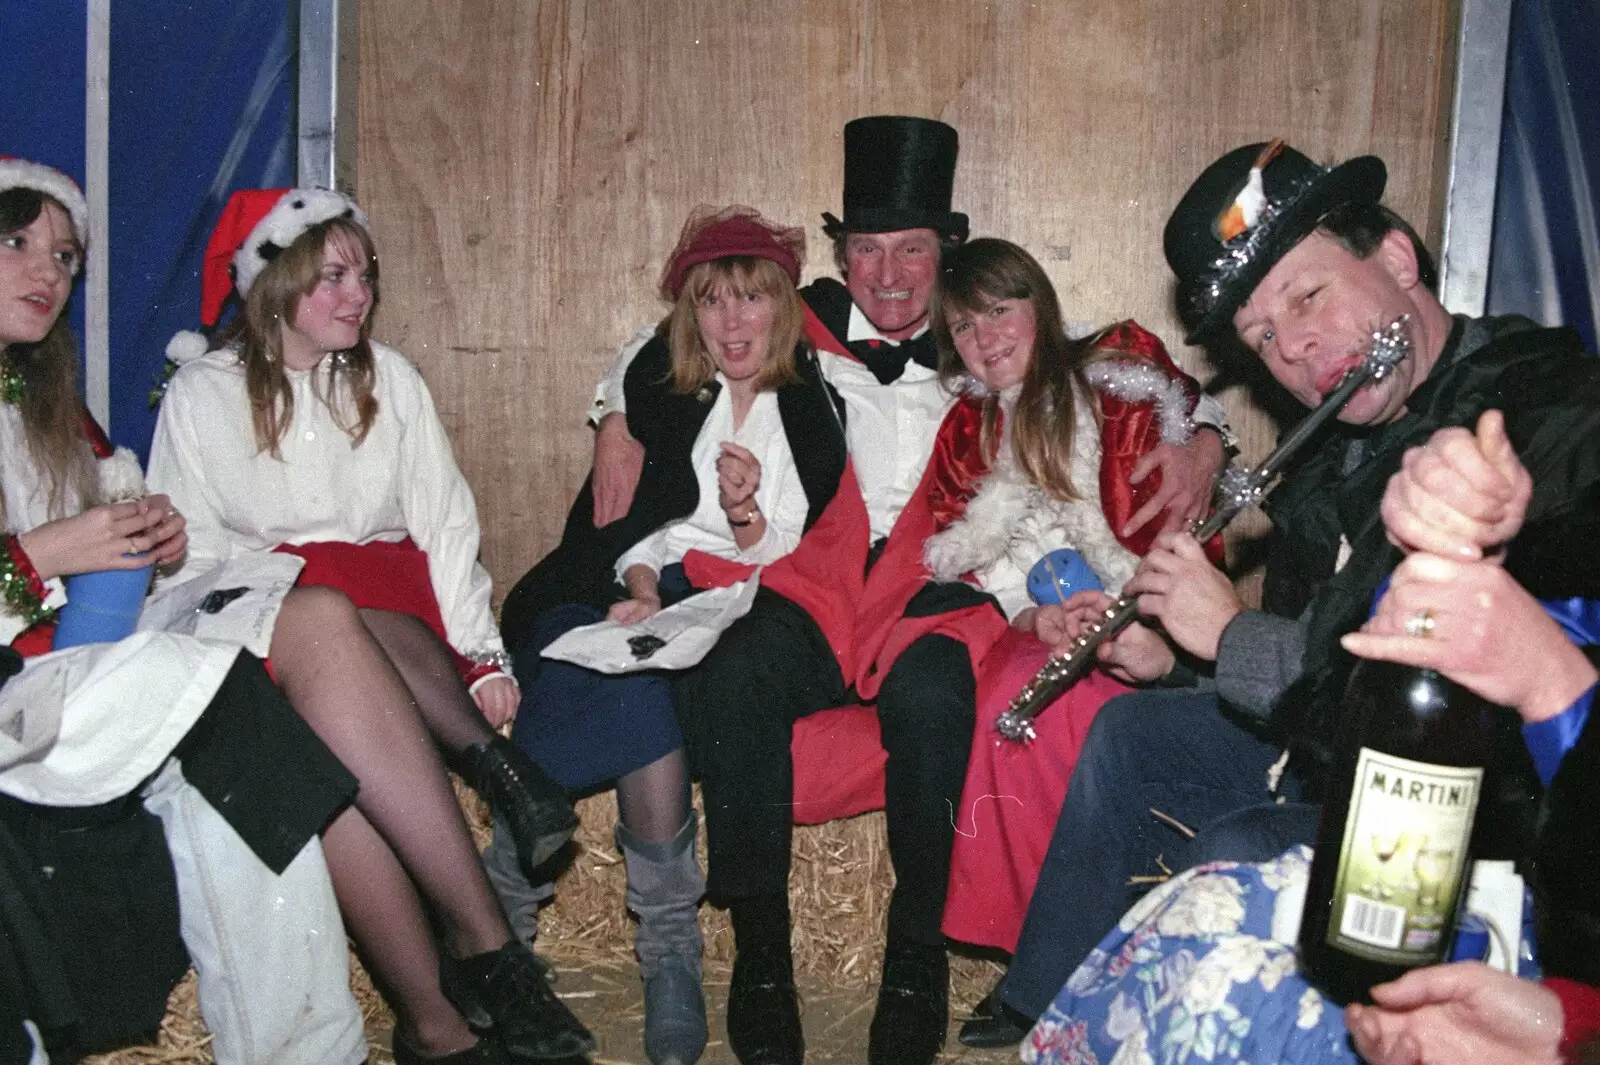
{"points": [[898, 174], [1245, 212]]}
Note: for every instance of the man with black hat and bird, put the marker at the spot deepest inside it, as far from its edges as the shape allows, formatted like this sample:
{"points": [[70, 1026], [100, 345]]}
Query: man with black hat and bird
{"points": [[785, 660], [1301, 266]]}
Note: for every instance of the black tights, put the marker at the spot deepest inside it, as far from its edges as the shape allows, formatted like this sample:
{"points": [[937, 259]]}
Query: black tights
{"points": [[405, 842], [653, 800], [425, 665]]}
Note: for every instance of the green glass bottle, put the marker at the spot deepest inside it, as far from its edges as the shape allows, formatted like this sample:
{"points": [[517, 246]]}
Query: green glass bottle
{"points": [[1393, 845]]}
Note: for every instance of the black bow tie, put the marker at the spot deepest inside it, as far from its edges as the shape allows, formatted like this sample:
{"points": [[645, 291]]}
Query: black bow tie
{"points": [[888, 361]]}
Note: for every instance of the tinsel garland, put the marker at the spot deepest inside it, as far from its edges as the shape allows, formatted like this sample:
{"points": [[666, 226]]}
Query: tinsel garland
{"points": [[490, 660], [12, 384], [20, 585]]}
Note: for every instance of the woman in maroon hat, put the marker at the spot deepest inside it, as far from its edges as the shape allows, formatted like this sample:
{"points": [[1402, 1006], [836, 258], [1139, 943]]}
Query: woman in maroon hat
{"points": [[747, 450]]}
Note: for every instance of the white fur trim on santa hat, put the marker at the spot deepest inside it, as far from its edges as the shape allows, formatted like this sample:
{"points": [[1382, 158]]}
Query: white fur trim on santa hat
{"points": [[26, 174], [297, 211], [187, 346]]}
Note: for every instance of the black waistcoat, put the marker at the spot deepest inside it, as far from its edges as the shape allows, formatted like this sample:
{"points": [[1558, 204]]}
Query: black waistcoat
{"points": [[582, 567]]}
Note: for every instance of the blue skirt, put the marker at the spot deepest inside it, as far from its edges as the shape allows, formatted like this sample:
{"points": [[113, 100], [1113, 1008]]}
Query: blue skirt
{"points": [[584, 728]]}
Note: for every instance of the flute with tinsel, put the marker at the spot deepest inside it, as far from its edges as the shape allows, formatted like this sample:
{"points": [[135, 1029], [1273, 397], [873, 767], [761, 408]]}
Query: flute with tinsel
{"points": [[1237, 490]]}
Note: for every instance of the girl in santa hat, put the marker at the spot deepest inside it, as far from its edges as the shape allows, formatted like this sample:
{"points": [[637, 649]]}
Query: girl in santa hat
{"points": [[299, 442], [1037, 458], [154, 720]]}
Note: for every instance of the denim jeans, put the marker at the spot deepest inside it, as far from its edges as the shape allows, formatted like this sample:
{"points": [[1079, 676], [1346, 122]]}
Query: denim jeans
{"points": [[1166, 751]]}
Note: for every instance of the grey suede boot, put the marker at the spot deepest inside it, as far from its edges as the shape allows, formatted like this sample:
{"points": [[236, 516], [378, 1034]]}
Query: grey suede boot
{"points": [[519, 899], [664, 889]]}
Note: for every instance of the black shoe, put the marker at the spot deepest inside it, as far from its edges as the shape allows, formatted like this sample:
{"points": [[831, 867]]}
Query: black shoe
{"points": [[763, 1010], [505, 993], [534, 807], [484, 1052], [913, 1011], [994, 1024]]}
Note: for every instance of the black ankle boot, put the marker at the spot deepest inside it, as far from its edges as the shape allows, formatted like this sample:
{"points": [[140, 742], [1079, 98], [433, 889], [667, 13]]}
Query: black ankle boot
{"points": [[993, 1024], [908, 1027], [504, 993], [534, 807], [484, 1052], [763, 1009]]}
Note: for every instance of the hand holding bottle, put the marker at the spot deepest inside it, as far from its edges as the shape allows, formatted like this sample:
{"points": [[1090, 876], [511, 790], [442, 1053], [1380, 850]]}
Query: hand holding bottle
{"points": [[1465, 1012], [1462, 494], [1484, 631]]}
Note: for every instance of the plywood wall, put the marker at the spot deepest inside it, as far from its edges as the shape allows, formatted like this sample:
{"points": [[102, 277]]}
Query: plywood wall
{"points": [[527, 164]]}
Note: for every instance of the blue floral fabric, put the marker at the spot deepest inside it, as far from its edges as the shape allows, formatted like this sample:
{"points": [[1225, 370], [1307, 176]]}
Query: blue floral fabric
{"points": [[1202, 969]]}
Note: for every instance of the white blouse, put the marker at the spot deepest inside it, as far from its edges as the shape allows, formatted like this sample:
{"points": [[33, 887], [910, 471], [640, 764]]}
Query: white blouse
{"points": [[86, 725], [26, 497], [780, 495], [890, 428], [401, 480]]}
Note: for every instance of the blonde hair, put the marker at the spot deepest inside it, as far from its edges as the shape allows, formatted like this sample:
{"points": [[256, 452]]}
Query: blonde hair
{"points": [[974, 277], [692, 365], [257, 334], [52, 413]]}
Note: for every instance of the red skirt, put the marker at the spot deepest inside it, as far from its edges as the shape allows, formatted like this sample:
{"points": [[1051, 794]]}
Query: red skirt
{"points": [[378, 576], [1013, 794]]}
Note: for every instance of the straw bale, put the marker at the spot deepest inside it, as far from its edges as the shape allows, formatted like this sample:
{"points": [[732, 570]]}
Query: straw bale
{"points": [[838, 893]]}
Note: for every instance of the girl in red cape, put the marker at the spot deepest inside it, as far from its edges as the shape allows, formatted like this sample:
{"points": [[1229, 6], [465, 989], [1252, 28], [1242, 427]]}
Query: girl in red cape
{"points": [[1035, 457]]}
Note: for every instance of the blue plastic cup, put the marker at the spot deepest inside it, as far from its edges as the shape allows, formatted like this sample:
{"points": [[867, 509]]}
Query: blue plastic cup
{"points": [[102, 607], [1058, 574]]}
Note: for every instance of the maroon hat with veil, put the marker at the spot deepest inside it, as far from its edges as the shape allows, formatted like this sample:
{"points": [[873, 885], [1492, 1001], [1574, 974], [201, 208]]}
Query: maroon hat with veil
{"points": [[721, 232]]}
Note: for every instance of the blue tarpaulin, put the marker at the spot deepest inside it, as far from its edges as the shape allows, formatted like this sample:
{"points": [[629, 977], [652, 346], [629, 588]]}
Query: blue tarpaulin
{"points": [[1545, 261], [201, 103]]}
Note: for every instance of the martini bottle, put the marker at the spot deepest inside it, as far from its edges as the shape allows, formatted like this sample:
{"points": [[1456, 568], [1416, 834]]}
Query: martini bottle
{"points": [[1392, 858]]}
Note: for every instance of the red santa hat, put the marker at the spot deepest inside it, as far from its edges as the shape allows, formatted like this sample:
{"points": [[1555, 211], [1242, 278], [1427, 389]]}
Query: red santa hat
{"points": [[25, 174], [254, 228]]}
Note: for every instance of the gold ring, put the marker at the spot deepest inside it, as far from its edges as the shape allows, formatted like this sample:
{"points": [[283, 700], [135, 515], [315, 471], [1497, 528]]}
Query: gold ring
{"points": [[1420, 624]]}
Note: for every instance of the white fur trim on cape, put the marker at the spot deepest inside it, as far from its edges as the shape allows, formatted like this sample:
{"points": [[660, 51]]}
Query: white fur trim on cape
{"points": [[26, 174], [1011, 517], [1141, 381], [297, 211], [1132, 381]]}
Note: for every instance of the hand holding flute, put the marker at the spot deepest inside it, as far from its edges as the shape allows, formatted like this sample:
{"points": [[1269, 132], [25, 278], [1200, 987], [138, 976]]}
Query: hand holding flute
{"points": [[1197, 601]]}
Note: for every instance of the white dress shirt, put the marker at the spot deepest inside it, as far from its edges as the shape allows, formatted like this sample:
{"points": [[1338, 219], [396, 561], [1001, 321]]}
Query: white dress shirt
{"points": [[890, 428], [401, 481]]}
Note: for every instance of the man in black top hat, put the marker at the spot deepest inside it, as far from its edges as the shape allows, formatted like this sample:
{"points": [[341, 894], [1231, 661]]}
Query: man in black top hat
{"points": [[776, 665], [1300, 264]]}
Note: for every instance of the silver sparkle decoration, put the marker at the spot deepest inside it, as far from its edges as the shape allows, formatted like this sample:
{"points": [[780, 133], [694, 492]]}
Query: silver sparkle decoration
{"points": [[1237, 490]]}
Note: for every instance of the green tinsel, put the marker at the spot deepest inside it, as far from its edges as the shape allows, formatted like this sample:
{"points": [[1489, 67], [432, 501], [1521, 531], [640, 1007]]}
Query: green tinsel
{"points": [[17, 591], [12, 385], [159, 389]]}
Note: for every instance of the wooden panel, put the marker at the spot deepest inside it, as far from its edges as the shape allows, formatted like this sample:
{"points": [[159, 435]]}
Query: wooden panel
{"points": [[528, 164]]}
